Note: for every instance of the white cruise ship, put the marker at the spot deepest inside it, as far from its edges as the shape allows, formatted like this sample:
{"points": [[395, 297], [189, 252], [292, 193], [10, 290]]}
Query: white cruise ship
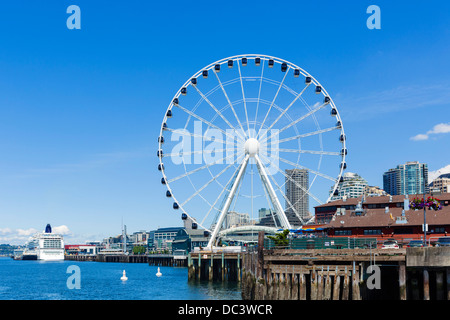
{"points": [[46, 246]]}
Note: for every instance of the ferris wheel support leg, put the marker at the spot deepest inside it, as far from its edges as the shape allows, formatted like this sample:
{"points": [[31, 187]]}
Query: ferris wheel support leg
{"points": [[272, 195], [228, 202]]}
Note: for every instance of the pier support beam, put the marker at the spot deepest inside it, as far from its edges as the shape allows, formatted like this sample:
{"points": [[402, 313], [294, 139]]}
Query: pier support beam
{"points": [[448, 283], [336, 286], [402, 280], [426, 285]]}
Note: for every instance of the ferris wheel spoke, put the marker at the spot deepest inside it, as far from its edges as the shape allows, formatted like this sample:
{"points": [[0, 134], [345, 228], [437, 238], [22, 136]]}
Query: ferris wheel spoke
{"points": [[243, 97], [296, 183], [291, 206], [204, 137], [273, 101], [214, 108], [201, 168], [206, 184], [220, 195], [204, 121], [271, 192], [300, 119], [231, 106], [304, 135], [288, 107], [269, 205], [228, 200], [310, 170], [329, 153], [187, 153], [259, 96]]}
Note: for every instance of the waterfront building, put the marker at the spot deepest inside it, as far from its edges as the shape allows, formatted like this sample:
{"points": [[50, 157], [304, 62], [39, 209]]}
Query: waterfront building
{"points": [[374, 191], [441, 185], [351, 185], [236, 219], [80, 249], [297, 203], [188, 239], [140, 238], [383, 217], [406, 178], [268, 218], [162, 238]]}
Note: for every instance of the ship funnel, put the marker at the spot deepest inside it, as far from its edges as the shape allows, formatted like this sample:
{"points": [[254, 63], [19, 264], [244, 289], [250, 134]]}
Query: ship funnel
{"points": [[48, 228]]}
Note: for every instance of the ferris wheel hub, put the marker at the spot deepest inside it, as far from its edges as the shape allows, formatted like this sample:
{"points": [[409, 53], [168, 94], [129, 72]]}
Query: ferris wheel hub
{"points": [[251, 147]]}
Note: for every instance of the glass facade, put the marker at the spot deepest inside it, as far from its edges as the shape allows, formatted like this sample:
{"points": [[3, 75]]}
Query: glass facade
{"points": [[407, 178]]}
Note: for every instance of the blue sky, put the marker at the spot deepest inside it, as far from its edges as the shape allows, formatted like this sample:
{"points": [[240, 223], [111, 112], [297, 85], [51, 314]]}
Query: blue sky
{"points": [[80, 110]]}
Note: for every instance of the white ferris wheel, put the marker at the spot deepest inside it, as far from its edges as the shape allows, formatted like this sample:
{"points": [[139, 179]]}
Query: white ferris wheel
{"points": [[232, 135]]}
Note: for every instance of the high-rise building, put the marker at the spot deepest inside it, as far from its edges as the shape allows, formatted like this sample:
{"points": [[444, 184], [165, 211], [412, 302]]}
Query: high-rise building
{"points": [[441, 184], [406, 178], [352, 185], [297, 202]]}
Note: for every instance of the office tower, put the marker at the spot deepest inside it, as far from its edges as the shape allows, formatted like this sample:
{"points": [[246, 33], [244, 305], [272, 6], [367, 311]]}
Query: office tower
{"points": [[296, 188], [406, 178]]}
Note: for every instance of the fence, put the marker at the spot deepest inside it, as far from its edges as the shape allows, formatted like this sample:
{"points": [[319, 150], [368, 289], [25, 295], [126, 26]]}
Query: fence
{"points": [[325, 243]]}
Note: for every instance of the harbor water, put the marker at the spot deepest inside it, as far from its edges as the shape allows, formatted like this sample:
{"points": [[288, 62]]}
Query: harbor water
{"points": [[46, 280]]}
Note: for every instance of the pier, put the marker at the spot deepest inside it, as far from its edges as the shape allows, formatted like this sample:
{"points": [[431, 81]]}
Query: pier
{"points": [[218, 264], [153, 259], [346, 274]]}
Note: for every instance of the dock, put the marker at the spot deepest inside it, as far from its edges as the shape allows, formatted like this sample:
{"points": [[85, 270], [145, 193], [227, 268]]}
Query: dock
{"points": [[152, 259], [346, 274]]}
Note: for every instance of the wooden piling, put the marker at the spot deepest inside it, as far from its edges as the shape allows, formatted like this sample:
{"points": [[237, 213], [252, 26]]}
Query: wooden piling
{"points": [[327, 290], [402, 280], [345, 286], [295, 287], [314, 286], [426, 285], [320, 286], [336, 286], [440, 285], [302, 286], [448, 282]]}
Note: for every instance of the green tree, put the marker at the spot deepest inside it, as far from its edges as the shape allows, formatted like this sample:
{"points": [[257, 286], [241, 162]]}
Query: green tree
{"points": [[281, 239]]}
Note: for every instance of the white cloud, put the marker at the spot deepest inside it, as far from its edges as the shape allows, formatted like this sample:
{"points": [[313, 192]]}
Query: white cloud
{"points": [[440, 128], [64, 230], [26, 233], [20, 236], [437, 129], [434, 174], [420, 137]]}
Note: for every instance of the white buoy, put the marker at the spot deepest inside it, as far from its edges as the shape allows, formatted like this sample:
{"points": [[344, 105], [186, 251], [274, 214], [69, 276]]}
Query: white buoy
{"points": [[124, 276], [158, 274]]}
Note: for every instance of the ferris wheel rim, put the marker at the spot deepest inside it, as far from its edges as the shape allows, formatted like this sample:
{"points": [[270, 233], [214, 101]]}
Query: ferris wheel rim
{"points": [[263, 57]]}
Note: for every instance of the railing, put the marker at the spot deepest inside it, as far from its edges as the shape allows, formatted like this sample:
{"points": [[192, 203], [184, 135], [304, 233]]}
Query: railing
{"points": [[324, 243]]}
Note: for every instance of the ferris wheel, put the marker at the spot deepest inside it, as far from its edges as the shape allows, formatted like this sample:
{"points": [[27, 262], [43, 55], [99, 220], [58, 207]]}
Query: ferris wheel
{"points": [[247, 138]]}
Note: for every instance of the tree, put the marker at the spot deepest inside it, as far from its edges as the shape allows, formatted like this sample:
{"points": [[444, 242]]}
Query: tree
{"points": [[281, 239]]}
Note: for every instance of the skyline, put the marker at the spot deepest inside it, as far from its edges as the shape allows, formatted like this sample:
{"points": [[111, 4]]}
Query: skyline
{"points": [[80, 110]]}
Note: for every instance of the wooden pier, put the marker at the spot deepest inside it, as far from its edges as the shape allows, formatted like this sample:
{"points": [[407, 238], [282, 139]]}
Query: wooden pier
{"points": [[217, 265], [153, 259], [109, 258], [346, 274]]}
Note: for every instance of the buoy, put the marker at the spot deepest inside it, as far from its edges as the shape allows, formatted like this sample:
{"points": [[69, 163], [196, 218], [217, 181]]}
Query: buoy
{"points": [[124, 276], [158, 274]]}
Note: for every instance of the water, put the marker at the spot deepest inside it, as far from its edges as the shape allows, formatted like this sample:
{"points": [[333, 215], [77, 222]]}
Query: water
{"points": [[45, 280]]}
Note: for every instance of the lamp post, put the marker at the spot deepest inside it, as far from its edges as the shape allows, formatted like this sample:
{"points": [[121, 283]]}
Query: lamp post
{"points": [[424, 209]]}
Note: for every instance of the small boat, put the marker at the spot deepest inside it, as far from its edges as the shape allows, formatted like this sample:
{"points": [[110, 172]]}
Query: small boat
{"points": [[158, 274], [124, 276]]}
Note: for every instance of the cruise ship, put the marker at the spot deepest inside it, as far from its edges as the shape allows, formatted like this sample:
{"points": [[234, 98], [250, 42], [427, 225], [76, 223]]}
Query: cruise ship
{"points": [[45, 246]]}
